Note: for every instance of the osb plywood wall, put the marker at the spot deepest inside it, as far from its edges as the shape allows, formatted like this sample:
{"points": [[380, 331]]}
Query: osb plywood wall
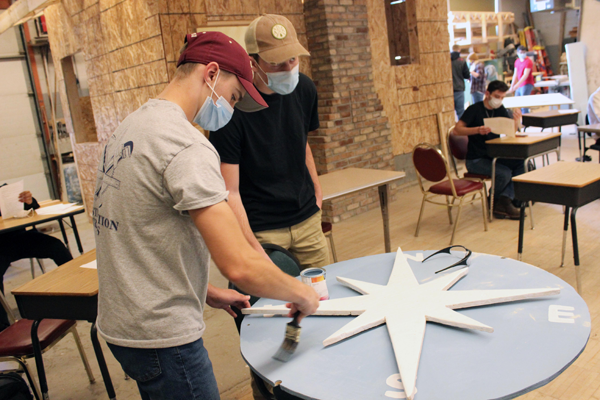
{"points": [[413, 95], [370, 111], [131, 48]]}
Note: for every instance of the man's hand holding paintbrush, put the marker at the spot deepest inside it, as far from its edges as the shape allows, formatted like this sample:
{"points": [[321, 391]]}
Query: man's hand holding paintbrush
{"points": [[292, 331]]}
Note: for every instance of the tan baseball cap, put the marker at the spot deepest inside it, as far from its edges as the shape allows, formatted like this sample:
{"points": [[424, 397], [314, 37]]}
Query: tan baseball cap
{"points": [[274, 38]]}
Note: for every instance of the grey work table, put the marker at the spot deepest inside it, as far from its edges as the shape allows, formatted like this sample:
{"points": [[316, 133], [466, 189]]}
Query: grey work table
{"points": [[350, 180], [537, 100], [532, 342]]}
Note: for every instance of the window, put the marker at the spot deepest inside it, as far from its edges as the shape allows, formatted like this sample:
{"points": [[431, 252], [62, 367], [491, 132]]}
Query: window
{"points": [[401, 16]]}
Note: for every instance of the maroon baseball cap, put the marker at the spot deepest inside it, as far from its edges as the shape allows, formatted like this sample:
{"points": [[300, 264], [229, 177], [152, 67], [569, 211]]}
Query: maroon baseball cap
{"points": [[207, 47]]}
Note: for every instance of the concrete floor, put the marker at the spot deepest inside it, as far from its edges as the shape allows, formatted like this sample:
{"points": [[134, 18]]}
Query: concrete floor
{"points": [[356, 237]]}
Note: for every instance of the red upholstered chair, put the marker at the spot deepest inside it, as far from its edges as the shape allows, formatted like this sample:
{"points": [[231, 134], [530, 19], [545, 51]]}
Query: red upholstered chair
{"points": [[16, 345], [431, 166], [458, 145], [327, 228]]}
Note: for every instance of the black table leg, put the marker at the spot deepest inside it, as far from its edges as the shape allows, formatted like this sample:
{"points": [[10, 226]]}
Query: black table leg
{"points": [[64, 232], [102, 363], [574, 236], [39, 362], [76, 233], [521, 230], [575, 248], [383, 202], [564, 242]]}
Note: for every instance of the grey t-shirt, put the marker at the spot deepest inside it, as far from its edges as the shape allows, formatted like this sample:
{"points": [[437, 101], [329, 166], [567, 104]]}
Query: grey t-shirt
{"points": [[152, 261]]}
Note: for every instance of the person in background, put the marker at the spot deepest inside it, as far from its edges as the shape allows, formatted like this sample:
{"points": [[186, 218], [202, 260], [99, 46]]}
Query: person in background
{"points": [[266, 160], [460, 72], [522, 81], [22, 243], [593, 110], [477, 78], [160, 214], [593, 107], [478, 161]]}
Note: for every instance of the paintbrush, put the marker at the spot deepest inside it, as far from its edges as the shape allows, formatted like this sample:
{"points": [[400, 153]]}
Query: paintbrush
{"points": [[292, 337]]}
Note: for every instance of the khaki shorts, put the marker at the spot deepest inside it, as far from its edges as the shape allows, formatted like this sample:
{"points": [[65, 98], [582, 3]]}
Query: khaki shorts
{"points": [[305, 240]]}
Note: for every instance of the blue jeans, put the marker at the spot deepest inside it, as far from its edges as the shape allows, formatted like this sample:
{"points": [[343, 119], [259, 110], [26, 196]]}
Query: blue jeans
{"points": [[182, 372], [505, 170], [459, 103], [477, 97], [524, 91]]}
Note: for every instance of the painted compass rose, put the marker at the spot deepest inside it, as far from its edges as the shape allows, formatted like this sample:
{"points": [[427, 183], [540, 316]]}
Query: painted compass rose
{"points": [[405, 306]]}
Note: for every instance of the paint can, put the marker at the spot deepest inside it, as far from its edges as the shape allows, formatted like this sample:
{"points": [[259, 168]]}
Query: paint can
{"points": [[315, 277]]}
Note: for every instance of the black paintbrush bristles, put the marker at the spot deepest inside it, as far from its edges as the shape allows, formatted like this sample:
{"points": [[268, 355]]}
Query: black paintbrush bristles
{"points": [[292, 337]]}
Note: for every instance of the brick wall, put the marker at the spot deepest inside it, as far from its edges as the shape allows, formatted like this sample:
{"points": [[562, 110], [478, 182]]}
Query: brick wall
{"points": [[354, 128]]}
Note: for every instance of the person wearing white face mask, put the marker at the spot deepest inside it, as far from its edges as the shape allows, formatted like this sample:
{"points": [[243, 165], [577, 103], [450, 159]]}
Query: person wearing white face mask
{"points": [[522, 81], [471, 124], [266, 161], [160, 213]]}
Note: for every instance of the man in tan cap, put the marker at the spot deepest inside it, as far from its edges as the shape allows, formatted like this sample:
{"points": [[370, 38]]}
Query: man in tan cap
{"points": [[266, 161]]}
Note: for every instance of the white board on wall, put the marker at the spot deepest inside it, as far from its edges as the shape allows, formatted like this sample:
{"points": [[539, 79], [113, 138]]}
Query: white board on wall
{"points": [[578, 77]]}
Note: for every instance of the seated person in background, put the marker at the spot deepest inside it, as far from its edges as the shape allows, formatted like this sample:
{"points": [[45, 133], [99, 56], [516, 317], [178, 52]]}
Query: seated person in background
{"points": [[478, 161], [23, 243], [593, 109]]}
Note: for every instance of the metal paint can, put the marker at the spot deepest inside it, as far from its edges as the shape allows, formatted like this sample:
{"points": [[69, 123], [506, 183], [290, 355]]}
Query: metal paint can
{"points": [[315, 277]]}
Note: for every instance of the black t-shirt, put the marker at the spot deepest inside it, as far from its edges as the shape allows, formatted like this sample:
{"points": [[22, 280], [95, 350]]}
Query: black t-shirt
{"points": [[270, 148], [473, 117]]}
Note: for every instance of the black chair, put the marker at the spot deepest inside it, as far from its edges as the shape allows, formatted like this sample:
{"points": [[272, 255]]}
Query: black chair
{"points": [[289, 264]]}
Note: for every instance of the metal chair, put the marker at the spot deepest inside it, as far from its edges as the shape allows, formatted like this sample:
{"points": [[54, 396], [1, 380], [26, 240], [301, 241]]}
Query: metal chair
{"points": [[40, 263], [430, 165], [327, 228], [16, 345]]}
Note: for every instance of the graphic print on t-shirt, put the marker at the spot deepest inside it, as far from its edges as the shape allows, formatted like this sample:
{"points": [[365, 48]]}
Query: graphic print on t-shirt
{"points": [[107, 180]]}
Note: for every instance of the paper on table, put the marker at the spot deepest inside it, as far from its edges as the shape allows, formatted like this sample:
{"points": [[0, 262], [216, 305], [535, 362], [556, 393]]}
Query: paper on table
{"points": [[570, 111], [501, 125], [56, 209], [10, 206], [90, 265]]}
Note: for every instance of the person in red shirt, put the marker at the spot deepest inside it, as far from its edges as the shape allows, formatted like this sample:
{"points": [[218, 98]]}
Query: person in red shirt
{"points": [[522, 82]]}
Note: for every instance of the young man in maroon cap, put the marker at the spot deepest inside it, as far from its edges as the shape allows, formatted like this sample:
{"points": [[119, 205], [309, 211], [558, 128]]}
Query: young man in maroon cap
{"points": [[267, 163], [160, 213]]}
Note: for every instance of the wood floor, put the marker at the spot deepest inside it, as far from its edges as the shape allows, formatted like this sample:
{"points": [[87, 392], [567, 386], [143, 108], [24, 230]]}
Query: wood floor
{"points": [[362, 236]]}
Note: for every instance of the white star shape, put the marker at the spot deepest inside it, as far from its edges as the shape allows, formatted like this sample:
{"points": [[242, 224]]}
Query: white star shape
{"points": [[405, 307]]}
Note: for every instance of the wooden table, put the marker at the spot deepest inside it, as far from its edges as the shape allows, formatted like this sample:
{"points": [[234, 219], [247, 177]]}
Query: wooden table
{"points": [[67, 292], [570, 184], [581, 131], [13, 224], [550, 119], [537, 100], [523, 148], [350, 180]]}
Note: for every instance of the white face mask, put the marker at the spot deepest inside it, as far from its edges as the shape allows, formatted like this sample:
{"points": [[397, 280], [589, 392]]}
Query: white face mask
{"points": [[495, 103], [283, 82], [213, 116], [522, 56]]}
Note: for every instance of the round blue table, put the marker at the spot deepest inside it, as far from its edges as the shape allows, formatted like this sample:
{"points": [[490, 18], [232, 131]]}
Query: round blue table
{"points": [[532, 343]]}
